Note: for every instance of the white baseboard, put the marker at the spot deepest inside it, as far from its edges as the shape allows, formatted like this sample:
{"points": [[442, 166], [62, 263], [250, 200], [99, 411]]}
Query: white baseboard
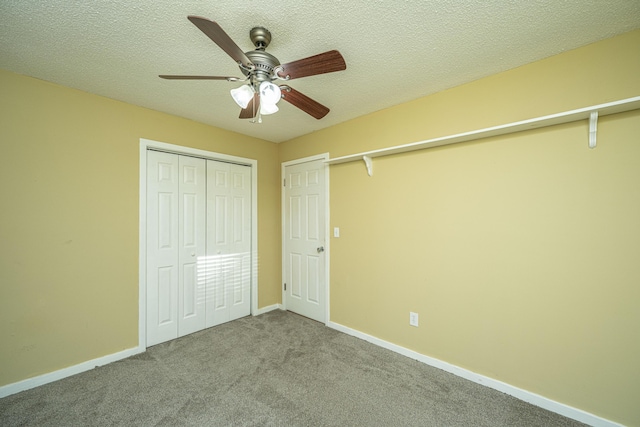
{"points": [[50, 377], [30, 383], [527, 396], [267, 309]]}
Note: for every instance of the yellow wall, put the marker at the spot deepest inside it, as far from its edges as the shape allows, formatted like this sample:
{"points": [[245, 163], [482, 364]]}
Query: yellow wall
{"points": [[520, 253], [69, 220]]}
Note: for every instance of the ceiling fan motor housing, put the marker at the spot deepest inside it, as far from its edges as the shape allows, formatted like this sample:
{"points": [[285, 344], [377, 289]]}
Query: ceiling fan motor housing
{"points": [[264, 64]]}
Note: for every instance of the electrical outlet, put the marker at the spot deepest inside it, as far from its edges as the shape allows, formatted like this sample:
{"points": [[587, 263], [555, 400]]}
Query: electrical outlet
{"points": [[413, 319], [336, 231]]}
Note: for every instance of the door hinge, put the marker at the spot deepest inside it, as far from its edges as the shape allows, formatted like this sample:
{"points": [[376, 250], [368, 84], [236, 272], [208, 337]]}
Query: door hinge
{"points": [[284, 182], [285, 286]]}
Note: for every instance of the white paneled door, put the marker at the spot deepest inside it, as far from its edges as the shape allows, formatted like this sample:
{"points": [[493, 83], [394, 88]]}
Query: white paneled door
{"points": [[304, 239], [162, 247], [228, 242], [198, 244], [191, 244]]}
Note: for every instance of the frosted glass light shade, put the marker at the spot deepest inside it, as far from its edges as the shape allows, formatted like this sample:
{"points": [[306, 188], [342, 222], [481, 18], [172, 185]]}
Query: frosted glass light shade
{"points": [[242, 95], [266, 109], [269, 93]]}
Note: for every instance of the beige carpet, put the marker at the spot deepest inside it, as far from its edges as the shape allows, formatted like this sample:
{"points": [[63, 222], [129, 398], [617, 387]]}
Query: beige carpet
{"points": [[278, 369]]}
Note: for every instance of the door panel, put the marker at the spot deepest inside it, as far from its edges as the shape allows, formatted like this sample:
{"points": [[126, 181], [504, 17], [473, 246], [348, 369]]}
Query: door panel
{"points": [[228, 242], [162, 247], [295, 280], [304, 240], [313, 285], [240, 213], [191, 288], [190, 291], [165, 301]]}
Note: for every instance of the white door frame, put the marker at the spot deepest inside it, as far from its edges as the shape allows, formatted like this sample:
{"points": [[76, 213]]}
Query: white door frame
{"points": [[327, 246], [146, 144]]}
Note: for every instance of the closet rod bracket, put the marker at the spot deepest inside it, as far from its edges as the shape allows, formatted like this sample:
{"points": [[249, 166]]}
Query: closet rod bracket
{"points": [[369, 164], [593, 129]]}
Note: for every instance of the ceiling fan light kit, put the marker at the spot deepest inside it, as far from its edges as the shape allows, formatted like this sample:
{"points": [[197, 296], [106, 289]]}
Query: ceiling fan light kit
{"points": [[269, 93], [242, 95], [266, 109], [260, 95]]}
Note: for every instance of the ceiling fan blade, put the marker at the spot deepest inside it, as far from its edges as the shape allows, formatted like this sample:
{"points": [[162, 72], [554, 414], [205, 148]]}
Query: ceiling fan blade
{"points": [[252, 108], [326, 62], [174, 77], [303, 102], [222, 39]]}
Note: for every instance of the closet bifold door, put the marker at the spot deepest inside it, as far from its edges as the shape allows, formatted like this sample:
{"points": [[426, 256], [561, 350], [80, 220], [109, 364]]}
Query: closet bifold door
{"points": [[176, 205], [191, 220], [162, 247], [228, 242]]}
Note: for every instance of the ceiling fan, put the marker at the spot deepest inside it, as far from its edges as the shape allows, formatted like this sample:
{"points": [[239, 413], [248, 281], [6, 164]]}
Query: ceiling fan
{"points": [[260, 95]]}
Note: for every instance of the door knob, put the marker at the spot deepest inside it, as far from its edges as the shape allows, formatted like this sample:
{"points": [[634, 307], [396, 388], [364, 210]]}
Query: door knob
{"points": [[320, 249]]}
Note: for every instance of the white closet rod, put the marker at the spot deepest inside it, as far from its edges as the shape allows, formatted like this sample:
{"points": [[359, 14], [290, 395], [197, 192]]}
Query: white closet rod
{"points": [[591, 113]]}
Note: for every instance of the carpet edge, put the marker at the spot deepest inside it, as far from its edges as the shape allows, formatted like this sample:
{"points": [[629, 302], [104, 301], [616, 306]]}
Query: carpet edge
{"points": [[524, 395]]}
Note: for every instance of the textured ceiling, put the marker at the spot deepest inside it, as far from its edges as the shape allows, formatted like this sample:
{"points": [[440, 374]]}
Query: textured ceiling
{"points": [[395, 51]]}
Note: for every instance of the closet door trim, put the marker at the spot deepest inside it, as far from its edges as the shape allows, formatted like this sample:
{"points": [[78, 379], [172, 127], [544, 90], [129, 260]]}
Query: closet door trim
{"points": [[145, 145]]}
